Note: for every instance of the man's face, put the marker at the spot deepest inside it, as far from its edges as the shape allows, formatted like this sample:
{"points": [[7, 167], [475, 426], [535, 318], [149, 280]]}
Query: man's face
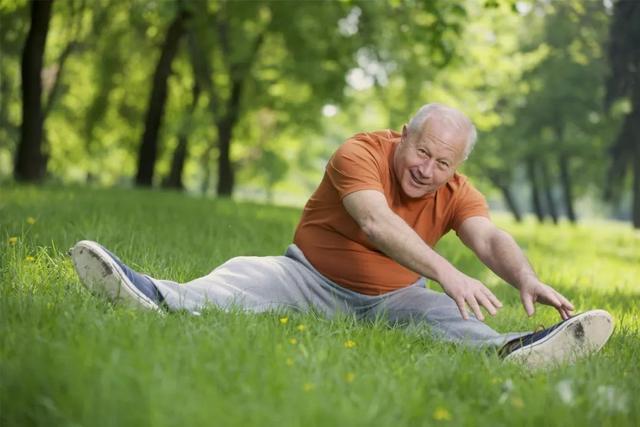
{"points": [[425, 161]]}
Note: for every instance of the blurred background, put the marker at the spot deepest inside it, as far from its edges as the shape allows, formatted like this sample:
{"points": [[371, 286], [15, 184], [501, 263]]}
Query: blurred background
{"points": [[250, 98]]}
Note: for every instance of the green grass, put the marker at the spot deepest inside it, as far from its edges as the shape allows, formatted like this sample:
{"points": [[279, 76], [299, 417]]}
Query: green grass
{"points": [[68, 358]]}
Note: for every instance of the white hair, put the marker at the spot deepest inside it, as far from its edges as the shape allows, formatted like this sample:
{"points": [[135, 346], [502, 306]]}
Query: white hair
{"points": [[452, 116]]}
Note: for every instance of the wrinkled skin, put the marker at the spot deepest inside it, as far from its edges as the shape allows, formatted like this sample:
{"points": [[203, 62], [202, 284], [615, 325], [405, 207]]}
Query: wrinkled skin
{"points": [[425, 161]]}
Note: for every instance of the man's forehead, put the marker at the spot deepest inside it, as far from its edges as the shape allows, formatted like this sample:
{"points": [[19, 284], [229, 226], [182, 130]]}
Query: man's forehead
{"points": [[445, 128], [450, 139]]}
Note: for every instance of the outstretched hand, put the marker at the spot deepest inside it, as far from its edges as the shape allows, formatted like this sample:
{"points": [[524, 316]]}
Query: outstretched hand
{"points": [[465, 290], [536, 291]]}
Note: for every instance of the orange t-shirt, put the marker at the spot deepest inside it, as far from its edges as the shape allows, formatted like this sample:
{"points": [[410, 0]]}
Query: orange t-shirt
{"points": [[334, 243]]}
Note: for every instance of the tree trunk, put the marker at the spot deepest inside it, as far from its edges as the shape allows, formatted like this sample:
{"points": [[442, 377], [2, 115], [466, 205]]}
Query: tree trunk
{"points": [[30, 164], [206, 166], [507, 195], [535, 190], [174, 179], [565, 178], [548, 193], [55, 89], [204, 76], [237, 72], [225, 134], [511, 202], [149, 145]]}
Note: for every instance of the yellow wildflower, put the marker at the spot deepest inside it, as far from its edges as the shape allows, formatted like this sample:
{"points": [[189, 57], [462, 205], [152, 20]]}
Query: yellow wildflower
{"points": [[289, 361], [349, 344], [349, 377], [441, 414], [29, 258], [293, 341], [284, 320], [31, 220], [517, 402], [301, 328], [308, 386], [13, 240]]}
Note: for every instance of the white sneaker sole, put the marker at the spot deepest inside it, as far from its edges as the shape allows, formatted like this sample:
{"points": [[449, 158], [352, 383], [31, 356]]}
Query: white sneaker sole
{"points": [[100, 274], [579, 336]]}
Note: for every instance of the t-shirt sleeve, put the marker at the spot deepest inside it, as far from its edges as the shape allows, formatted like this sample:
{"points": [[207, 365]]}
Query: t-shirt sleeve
{"points": [[355, 166], [470, 202]]}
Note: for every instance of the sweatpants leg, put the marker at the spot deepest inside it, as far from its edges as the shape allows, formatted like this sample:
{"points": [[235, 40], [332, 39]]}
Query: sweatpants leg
{"points": [[255, 284], [416, 304], [290, 282]]}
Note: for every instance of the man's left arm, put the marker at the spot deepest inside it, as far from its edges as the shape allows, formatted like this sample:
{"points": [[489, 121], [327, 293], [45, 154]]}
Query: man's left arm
{"points": [[500, 252]]}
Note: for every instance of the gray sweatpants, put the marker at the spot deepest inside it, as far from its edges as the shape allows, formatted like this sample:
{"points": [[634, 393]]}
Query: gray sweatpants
{"points": [[259, 284]]}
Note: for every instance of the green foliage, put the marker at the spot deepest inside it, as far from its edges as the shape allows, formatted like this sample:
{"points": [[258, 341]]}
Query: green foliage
{"points": [[529, 73], [13, 30], [623, 82], [559, 116], [67, 357]]}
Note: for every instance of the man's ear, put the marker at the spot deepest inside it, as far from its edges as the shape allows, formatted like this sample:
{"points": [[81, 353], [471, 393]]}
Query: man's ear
{"points": [[405, 131]]}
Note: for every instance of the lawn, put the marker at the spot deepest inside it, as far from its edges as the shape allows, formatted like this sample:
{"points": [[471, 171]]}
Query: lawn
{"points": [[68, 358]]}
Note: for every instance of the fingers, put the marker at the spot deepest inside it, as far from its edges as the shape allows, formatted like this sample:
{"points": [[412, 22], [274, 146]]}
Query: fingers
{"points": [[549, 296], [473, 304], [559, 302], [565, 309], [494, 300], [463, 309], [565, 302], [563, 313], [485, 302], [481, 297], [472, 293], [527, 303]]}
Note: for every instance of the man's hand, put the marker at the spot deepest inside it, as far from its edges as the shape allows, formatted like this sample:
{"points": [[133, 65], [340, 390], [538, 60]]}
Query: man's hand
{"points": [[467, 290], [500, 252], [536, 291]]}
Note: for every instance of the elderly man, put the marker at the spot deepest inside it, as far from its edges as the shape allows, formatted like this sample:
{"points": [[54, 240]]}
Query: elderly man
{"points": [[364, 247]]}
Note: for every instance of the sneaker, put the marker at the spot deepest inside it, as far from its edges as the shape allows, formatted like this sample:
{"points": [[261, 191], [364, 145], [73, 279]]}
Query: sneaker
{"points": [[104, 274], [564, 342]]}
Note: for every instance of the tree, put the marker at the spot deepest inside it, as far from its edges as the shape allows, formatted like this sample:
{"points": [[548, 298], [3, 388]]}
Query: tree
{"points": [[624, 81], [157, 99], [30, 163], [268, 54], [13, 25], [174, 179], [562, 121]]}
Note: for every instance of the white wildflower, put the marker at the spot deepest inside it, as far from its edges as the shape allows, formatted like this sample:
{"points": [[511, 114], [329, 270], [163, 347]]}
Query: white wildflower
{"points": [[565, 391], [507, 388], [612, 399]]}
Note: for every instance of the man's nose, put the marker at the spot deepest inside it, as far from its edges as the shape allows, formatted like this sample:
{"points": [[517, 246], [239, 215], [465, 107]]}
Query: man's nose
{"points": [[426, 168]]}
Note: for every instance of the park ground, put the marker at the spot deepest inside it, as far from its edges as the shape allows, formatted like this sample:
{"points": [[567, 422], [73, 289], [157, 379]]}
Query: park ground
{"points": [[68, 358]]}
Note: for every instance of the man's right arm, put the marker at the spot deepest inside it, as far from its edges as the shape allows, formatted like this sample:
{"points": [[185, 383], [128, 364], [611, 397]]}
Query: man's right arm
{"points": [[395, 238]]}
